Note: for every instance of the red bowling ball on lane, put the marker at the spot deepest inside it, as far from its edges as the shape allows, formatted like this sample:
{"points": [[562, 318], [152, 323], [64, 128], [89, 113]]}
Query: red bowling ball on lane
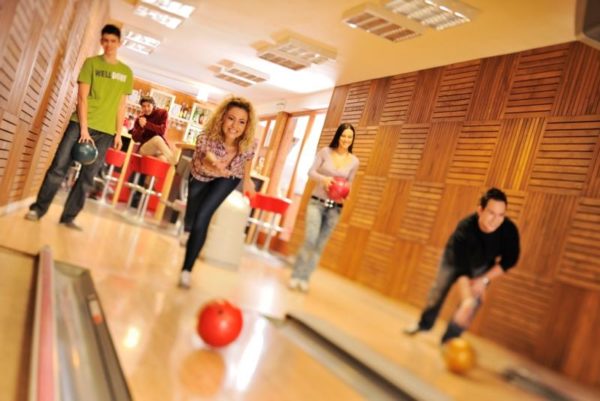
{"points": [[219, 323]]}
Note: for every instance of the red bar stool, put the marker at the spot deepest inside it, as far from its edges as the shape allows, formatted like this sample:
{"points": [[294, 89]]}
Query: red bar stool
{"points": [[135, 165], [155, 169], [113, 158], [267, 204]]}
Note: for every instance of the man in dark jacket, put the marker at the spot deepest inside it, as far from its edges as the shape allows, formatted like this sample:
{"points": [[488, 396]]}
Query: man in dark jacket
{"points": [[482, 248]]}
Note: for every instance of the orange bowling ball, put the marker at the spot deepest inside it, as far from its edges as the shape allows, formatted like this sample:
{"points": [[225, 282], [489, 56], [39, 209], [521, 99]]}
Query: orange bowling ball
{"points": [[219, 323], [459, 355]]}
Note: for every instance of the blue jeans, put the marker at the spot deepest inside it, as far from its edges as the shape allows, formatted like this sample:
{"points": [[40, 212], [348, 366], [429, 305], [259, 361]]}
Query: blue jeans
{"points": [[445, 278], [204, 197], [320, 222], [59, 168]]}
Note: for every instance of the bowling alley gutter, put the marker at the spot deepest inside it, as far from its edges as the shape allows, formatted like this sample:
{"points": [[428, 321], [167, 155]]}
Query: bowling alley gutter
{"points": [[403, 381]]}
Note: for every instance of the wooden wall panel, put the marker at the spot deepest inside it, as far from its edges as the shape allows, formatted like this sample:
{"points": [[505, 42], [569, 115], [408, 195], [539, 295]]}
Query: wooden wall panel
{"points": [[8, 128], [456, 89], [399, 97], [579, 93], [491, 91], [473, 153], [516, 200], [383, 150], [35, 113], [580, 263], [515, 311], [326, 136], [407, 255], [543, 223], [392, 206], [527, 123], [570, 339], [408, 152], [512, 160], [421, 106], [421, 209], [375, 270], [375, 102], [423, 276], [457, 202], [351, 258], [565, 154], [336, 107], [364, 142], [583, 359], [358, 94], [46, 43], [439, 148], [367, 201], [536, 81], [15, 42], [592, 184]]}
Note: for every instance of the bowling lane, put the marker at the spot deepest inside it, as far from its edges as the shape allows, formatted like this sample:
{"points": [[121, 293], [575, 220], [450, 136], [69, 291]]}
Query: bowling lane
{"points": [[16, 322], [164, 358]]}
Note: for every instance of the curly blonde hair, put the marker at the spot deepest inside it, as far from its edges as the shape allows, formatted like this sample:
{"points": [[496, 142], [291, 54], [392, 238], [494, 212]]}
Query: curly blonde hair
{"points": [[214, 125]]}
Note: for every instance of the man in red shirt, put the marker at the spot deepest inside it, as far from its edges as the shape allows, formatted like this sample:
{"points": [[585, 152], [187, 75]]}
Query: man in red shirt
{"points": [[149, 130]]}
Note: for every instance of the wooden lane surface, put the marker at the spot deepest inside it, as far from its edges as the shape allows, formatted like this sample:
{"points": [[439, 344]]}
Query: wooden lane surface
{"points": [[152, 321], [16, 322]]}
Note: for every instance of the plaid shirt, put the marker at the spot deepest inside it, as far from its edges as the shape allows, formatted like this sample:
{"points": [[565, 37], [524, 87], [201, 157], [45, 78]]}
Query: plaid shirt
{"points": [[204, 145]]}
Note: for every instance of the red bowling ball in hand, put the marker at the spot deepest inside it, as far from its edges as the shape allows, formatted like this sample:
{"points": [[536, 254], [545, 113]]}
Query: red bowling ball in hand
{"points": [[219, 323], [339, 189]]}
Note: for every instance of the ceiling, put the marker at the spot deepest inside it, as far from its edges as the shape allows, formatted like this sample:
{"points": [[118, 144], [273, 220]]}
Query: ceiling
{"points": [[231, 29]]}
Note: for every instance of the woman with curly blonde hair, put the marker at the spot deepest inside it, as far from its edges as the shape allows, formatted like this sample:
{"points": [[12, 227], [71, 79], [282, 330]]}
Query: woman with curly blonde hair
{"points": [[222, 159]]}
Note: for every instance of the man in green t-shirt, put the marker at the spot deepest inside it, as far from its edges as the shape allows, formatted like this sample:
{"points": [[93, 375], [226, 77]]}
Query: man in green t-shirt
{"points": [[103, 85]]}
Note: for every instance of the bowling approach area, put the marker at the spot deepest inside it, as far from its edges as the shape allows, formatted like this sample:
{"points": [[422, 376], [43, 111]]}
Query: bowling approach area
{"points": [[340, 341]]}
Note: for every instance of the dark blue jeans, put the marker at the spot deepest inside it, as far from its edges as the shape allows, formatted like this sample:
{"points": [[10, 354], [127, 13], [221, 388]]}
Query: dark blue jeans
{"points": [[204, 197], [445, 278], [59, 168]]}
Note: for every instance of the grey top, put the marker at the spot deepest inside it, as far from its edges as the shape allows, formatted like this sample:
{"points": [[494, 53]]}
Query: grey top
{"points": [[324, 167]]}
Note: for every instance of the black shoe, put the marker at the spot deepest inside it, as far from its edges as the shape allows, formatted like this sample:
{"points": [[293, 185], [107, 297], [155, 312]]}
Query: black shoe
{"points": [[71, 225], [412, 329]]}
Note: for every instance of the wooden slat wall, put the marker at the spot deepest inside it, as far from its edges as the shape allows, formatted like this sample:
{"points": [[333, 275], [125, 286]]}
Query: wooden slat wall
{"points": [[430, 142], [44, 45]]}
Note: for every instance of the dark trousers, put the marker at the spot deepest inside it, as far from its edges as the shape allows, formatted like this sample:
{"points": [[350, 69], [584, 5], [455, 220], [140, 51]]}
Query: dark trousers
{"points": [[444, 280], [59, 168], [204, 197]]}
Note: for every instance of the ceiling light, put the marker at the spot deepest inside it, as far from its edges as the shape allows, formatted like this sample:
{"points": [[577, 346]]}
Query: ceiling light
{"points": [[381, 22], [168, 13], [158, 16], [295, 53], [173, 7], [438, 14], [285, 60], [137, 40], [239, 74], [136, 47]]}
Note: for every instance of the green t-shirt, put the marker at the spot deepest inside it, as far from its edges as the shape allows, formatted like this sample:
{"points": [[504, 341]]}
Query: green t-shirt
{"points": [[108, 83]]}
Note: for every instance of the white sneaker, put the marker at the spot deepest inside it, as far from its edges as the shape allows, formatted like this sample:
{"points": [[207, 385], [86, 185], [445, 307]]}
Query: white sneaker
{"points": [[185, 279], [32, 215], [294, 283], [303, 285]]}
